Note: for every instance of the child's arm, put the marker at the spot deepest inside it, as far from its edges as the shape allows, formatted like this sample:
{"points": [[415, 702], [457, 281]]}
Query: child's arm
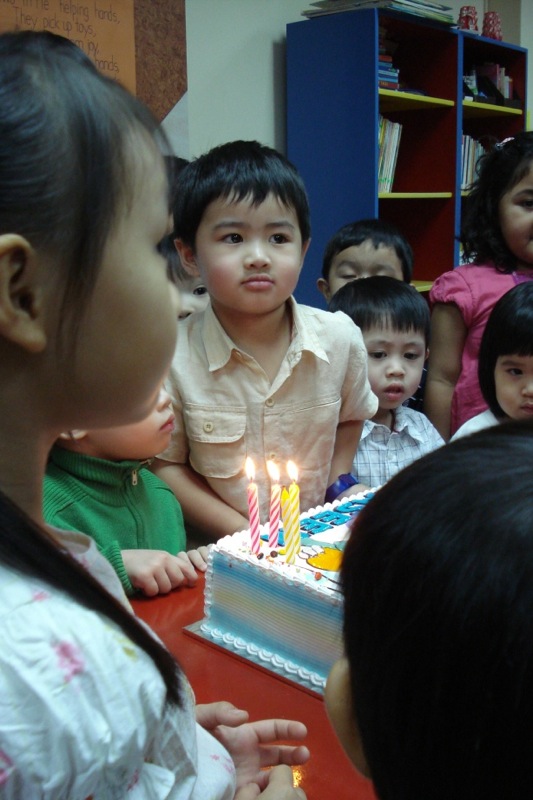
{"points": [[202, 508], [346, 443], [448, 335]]}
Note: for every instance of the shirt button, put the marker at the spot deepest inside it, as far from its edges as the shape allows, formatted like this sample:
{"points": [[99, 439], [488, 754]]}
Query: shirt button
{"points": [[272, 457], [208, 427], [269, 402]]}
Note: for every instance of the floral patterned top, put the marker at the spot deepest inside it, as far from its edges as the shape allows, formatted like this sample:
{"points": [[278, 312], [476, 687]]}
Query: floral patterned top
{"points": [[82, 708]]}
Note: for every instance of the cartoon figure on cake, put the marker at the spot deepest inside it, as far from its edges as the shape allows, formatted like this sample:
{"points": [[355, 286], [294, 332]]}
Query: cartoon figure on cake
{"points": [[320, 564]]}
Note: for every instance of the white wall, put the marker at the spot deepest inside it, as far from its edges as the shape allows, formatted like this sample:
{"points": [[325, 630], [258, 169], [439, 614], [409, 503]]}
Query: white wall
{"points": [[236, 66], [235, 70]]}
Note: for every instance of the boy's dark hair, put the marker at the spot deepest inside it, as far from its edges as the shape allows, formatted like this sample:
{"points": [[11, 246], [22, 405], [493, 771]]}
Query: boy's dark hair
{"points": [[509, 331], [379, 233], [237, 171], [381, 300], [438, 622], [497, 172]]}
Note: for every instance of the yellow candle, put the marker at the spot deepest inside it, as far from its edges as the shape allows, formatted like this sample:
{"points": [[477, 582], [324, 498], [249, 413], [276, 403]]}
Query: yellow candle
{"points": [[292, 532]]}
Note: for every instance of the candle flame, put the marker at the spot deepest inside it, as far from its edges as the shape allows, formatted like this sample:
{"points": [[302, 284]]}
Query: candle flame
{"points": [[273, 471], [292, 470], [249, 468]]}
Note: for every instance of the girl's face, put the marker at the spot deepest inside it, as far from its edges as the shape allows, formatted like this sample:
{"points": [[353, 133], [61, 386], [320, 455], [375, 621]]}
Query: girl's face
{"points": [[516, 220], [513, 378], [128, 331]]}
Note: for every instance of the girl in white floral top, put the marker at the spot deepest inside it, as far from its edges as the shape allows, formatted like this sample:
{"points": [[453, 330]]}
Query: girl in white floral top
{"points": [[91, 704]]}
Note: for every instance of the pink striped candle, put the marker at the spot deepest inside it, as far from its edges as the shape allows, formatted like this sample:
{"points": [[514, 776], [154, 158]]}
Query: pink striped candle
{"points": [[275, 504], [253, 507]]}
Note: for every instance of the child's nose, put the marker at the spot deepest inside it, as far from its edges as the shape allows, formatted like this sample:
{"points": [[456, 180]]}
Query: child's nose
{"points": [[395, 367], [257, 255], [164, 399], [527, 389]]}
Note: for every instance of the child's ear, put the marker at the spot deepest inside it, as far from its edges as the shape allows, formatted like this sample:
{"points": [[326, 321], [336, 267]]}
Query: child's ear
{"points": [[323, 287], [187, 258], [339, 706], [21, 310]]}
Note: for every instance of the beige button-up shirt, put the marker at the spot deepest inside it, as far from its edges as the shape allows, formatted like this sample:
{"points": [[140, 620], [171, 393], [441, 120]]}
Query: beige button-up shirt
{"points": [[227, 409]]}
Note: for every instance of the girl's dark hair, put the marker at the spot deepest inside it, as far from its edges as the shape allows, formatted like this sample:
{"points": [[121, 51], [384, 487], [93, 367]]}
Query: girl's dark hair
{"points": [[509, 331], [236, 171], [497, 172], [66, 153], [381, 300], [377, 231], [438, 627]]}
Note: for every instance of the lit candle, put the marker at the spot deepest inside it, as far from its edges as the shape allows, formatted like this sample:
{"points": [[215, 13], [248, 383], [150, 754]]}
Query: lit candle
{"points": [[253, 506], [292, 535], [275, 501]]}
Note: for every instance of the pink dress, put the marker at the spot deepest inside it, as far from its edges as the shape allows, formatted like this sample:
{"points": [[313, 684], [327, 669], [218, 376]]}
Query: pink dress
{"points": [[474, 289]]}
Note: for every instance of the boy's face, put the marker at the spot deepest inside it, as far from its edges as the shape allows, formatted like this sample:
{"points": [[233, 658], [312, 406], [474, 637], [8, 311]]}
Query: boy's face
{"points": [[248, 256], [395, 363], [360, 261], [136, 442], [193, 295]]}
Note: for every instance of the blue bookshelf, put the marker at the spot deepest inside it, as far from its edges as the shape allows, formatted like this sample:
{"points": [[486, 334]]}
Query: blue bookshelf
{"points": [[333, 106]]}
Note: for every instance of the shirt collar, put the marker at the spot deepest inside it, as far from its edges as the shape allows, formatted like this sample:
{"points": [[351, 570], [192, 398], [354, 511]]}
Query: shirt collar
{"points": [[219, 346], [402, 421]]}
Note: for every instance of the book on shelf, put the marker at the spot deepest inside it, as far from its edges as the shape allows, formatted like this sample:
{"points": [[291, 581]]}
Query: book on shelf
{"points": [[422, 8], [389, 134], [471, 151]]}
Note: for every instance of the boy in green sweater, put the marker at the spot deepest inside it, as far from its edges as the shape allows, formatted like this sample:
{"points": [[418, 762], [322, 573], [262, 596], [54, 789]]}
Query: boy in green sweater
{"points": [[97, 483]]}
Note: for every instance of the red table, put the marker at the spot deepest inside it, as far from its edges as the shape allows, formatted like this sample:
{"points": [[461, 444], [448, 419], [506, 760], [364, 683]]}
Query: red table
{"points": [[216, 674]]}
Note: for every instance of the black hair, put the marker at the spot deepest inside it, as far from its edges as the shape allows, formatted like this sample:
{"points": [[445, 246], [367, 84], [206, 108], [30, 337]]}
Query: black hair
{"points": [[438, 623], [509, 331], [497, 172], [381, 300], [66, 153], [236, 171], [377, 231], [174, 165]]}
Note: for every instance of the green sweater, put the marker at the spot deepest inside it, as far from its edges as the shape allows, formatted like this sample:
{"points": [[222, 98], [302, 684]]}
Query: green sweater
{"points": [[120, 504]]}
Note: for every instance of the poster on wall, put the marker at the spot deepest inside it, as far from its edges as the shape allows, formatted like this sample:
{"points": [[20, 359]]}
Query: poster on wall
{"points": [[103, 29]]}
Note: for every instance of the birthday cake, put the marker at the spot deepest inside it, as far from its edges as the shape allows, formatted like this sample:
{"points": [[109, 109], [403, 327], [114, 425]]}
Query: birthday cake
{"points": [[285, 617]]}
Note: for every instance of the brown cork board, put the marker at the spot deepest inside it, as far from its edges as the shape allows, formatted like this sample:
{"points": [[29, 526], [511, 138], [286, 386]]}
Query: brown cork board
{"points": [[160, 53], [142, 43]]}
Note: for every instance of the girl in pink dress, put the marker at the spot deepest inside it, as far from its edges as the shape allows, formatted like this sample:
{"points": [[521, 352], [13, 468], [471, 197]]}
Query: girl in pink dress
{"points": [[497, 239]]}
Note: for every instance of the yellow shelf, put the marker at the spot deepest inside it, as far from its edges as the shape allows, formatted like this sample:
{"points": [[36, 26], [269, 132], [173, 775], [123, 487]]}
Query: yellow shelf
{"points": [[413, 195], [472, 109], [396, 100], [422, 286]]}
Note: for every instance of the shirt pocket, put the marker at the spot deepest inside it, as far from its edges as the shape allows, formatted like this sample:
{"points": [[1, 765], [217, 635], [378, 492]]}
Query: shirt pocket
{"points": [[217, 447]]}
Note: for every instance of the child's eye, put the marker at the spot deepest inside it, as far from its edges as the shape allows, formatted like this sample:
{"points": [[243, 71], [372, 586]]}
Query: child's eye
{"points": [[377, 354], [233, 238], [412, 356], [514, 371], [279, 238], [200, 290]]}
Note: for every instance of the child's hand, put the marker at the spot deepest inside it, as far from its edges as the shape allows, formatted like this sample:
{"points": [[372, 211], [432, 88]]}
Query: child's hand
{"points": [[158, 572], [198, 557], [278, 786], [253, 747]]}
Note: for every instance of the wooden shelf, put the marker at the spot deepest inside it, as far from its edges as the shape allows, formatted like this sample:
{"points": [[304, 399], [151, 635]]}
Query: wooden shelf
{"points": [[334, 102], [413, 195], [473, 109], [396, 100]]}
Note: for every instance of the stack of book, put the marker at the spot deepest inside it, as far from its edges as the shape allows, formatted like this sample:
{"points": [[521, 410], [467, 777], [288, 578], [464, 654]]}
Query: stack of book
{"points": [[471, 151], [420, 8], [389, 144], [388, 74]]}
